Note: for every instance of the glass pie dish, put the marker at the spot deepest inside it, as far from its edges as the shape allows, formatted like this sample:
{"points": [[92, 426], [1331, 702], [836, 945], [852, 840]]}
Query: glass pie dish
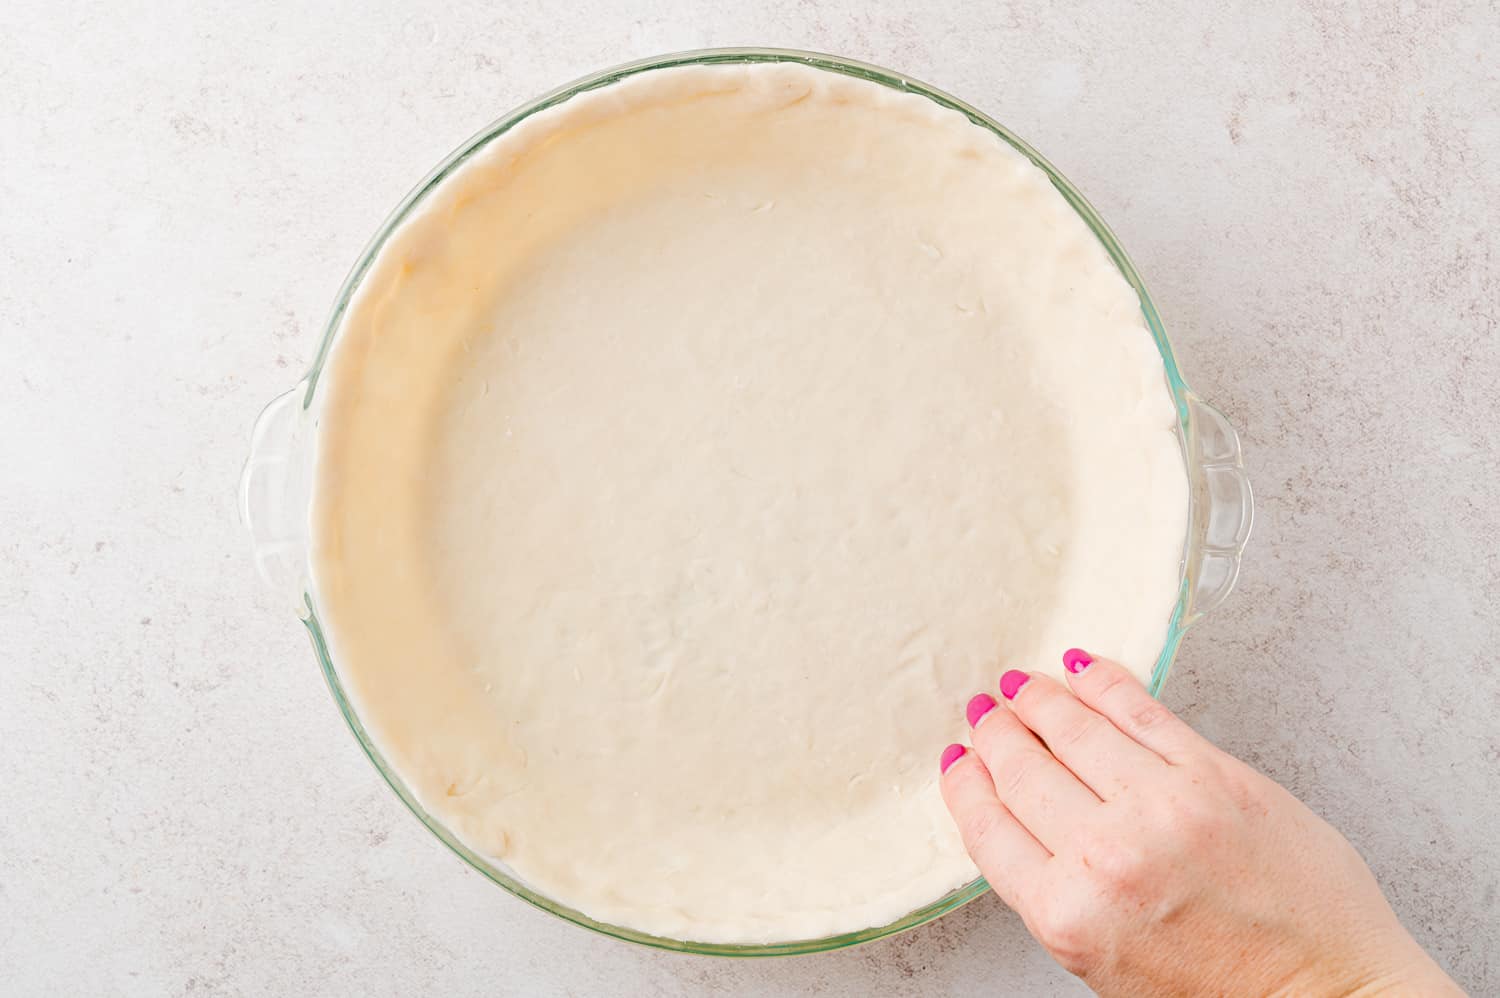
{"points": [[276, 488]]}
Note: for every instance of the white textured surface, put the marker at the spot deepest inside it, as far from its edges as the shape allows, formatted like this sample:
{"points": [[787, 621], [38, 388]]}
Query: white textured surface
{"points": [[1312, 197]]}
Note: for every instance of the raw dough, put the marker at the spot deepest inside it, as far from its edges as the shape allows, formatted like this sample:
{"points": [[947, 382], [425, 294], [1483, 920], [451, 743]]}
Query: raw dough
{"points": [[694, 453]]}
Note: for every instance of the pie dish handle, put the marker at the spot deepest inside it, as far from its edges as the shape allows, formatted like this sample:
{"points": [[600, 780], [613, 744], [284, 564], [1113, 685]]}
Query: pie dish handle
{"points": [[1221, 510], [274, 491]]}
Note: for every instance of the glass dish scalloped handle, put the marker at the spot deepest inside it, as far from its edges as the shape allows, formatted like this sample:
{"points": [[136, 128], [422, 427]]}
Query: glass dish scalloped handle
{"points": [[1222, 509], [274, 489]]}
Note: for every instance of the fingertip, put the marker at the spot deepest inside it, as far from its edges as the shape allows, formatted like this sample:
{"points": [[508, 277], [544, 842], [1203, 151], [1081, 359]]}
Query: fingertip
{"points": [[1087, 670], [1075, 660], [1012, 681], [979, 707]]}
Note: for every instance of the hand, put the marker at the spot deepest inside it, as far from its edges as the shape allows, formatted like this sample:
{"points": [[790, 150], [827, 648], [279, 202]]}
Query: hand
{"points": [[1148, 862]]}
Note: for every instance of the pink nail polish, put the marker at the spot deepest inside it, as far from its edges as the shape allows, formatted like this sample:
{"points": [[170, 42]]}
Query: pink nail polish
{"points": [[981, 705], [951, 754], [1011, 683], [1075, 660]]}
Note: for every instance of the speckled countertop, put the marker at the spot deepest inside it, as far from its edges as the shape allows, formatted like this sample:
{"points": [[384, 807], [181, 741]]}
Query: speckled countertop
{"points": [[1312, 196]]}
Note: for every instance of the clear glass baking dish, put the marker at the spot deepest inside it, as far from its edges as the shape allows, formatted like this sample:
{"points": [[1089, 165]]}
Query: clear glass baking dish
{"points": [[275, 488]]}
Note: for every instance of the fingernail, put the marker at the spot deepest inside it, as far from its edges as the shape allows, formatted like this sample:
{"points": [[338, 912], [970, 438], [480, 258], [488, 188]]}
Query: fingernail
{"points": [[981, 705], [1011, 683], [1075, 660], [951, 754]]}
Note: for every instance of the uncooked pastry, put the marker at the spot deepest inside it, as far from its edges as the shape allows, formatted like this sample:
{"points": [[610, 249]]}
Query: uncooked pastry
{"points": [[691, 456]]}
